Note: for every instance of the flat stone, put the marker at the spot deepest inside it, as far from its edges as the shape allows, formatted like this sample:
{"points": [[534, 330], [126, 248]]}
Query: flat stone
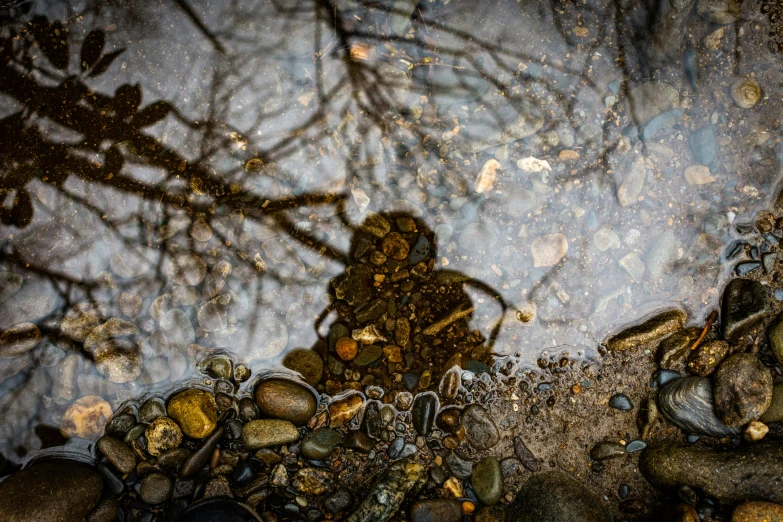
{"points": [[744, 306], [213, 315], [118, 360], [652, 98], [338, 501], [389, 491], [50, 491], [19, 339], [698, 175], [286, 400], [650, 330], [704, 144], [187, 269], [524, 455], [742, 389], [487, 480], [436, 510], [425, 407], [375, 225], [118, 453], [721, 12], [266, 433], [674, 349], [554, 496], [632, 183], [313, 481], [480, 430], [732, 476], [195, 411], [607, 450]]}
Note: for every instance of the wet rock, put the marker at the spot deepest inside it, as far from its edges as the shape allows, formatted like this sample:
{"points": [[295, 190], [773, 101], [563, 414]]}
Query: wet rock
{"points": [[650, 330], [774, 412], [338, 501], [346, 348], [425, 407], [162, 435], [688, 404], [287, 400], [151, 409], [485, 181], [19, 340], [385, 497], [633, 265], [266, 433], [744, 305], [480, 430], [524, 455], [319, 443], [130, 304], [64, 388], [85, 418], [344, 409], [607, 450], [186, 269], [80, 320], [606, 239], [358, 441], [674, 349], [212, 315], [662, 254], [555, 496], [730, 476], [313, 481], [395, 246], [549, 250], [200, 230], [202, 454], [742, 389], [487, 481], [436, 510], [706, 357], [662, 125], [704, 144], [155, 489], [698, 175], [651, 99], [20, 405], [195, 411], [113, 328], [375, 225], [178, 330], [10, 284], [721, 12], [620, 401], [218, 367], [216, 280], [755, 431], [632, 183], [307, 363], [368, 355], [459, 467], [118, 360], [746, 92], [757, 511], [50, 491], [775, 337], [118, 453]]}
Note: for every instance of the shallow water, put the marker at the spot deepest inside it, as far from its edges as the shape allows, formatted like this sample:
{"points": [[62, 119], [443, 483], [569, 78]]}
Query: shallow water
{"points": [[264, 133]]}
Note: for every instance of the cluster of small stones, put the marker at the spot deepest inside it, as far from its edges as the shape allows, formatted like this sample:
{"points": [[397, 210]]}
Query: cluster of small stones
{"points": [[289, 453]]}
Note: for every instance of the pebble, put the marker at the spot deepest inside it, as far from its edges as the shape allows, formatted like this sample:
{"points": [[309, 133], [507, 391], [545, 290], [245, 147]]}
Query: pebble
{"points": [[395, 246], [480, 430], [707, 356], [744, 306], [201, 455], [213, 315], [85, 418], [632, 183], [195, 411], [313, 481], [338, 501], [746, 92], [729, 476], [678, 513], [755, 431], [704, 145], [307, 363], [620, 401], [218, 510], [775, 337], [118, 360], [118, 453], [674, 349], [721, 12], [319, 443], [652, 329], [459, 467], [162, 435], [698, 175], [662, 125], [487, 481], [436, 510], [688, 403], [187, 269], [375, 225], [425, 407], [606, 450], [552, 495], [358, 441], [286, 400], [633, 265], [757, 511], [606, 239], [742, 389], [487, 176], [344, 409], [200, 230], [389, 491], [635, 445], [549, 250], [265, 433], [10, 284], [651, 99], [19, 339], [50, 491], [524, 455], [368, 355], [662, 254], [155, 488]]}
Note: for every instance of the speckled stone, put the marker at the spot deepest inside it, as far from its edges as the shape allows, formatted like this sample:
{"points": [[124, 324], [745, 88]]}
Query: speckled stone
{"points": [[19, 339], [480, 430], [266, 433], [436, 510], [162, 434], [756, 511], [650, 330], [155, 488], [744, 306], [385, 497], [86, 418]]}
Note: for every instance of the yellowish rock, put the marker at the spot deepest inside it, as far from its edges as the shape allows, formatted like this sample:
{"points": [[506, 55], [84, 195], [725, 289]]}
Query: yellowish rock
{"points": [[86, 418], [195, 411], [758, 511], [485, 181], [345, 409], [746, 92], [162, 435], [755, 431], [698, 175], [455, 487]]}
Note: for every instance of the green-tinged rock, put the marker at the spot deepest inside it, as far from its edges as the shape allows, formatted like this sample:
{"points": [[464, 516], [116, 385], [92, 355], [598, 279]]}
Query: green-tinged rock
{"points": [[312, 481], [487, 480], [650, 330], [675, 348], [730, 476], [400, 479], [555, 497], [775, 411], [265, 433], [775, 337], [307, 363], [319, 443], [50, 491]]}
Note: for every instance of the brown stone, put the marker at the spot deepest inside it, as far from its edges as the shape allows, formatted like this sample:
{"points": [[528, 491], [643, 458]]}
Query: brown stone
{"points": [[85, 418], [343, 410], [346, 348], [757, 511], [395, 246], [287, 400], [706, 357]]}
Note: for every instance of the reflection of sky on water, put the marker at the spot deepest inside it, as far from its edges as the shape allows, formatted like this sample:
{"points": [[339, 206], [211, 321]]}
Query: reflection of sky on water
{"points": [[407, 123]]}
